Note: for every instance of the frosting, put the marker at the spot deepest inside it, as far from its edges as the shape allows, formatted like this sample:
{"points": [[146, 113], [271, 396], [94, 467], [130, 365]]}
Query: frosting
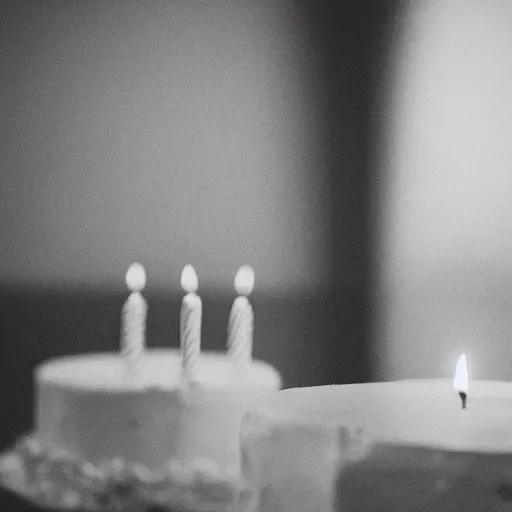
{"points": [[160, 368], [58, 478], [86, 405]]}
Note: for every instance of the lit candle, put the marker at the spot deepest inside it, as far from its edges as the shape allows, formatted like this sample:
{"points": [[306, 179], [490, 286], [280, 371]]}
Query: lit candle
{"points": [[396, 446], [190, 323], [460, 380], [133, 320], [240, 327]]}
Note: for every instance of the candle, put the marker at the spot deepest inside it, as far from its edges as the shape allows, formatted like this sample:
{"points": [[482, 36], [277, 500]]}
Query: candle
{"points": [[240, 327], [190, 323], [133, 321], [396, 446], [430, 453], [460, 381]]}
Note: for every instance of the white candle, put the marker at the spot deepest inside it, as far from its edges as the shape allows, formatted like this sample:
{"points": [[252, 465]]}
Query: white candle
{"points": [[240, 327], [461, 379], [394, 446], [133, 321], [190, 323]]}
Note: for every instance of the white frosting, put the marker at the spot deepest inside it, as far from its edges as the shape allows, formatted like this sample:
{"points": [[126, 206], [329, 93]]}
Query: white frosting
{"points": [[380, 447], [58, 479], [161, 368], [88, 407]]}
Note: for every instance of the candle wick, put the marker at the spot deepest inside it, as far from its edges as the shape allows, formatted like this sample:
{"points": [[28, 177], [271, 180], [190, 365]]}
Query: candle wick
{"points": [[463, 397]]}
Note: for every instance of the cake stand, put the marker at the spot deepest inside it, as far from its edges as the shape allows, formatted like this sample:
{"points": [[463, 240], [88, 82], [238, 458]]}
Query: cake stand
{"points": [[57, 480]]}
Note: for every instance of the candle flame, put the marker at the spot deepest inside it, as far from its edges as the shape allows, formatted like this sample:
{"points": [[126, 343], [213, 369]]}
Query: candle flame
{"points": [[189, 280], [461, 380], [244, 280], [136, 277]]}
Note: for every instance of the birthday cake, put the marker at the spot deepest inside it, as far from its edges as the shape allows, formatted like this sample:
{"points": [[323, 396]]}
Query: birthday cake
{"points": [[381, 447], [147, 426]]}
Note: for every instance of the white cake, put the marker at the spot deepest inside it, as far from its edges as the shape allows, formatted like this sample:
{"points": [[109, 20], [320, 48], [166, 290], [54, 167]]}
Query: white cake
{"points": [[139, 427], [176, 442], [87, 406], [381, 447]]}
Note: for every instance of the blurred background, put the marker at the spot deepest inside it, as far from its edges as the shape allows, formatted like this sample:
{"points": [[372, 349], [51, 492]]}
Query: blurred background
{"points": [[355, 154]]}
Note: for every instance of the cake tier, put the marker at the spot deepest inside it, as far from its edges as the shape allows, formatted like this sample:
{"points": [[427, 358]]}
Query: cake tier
{"points": [[396, 446], [87, 406]]}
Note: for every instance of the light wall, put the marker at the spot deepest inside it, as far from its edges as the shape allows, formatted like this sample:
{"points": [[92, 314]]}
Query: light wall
{"points": [[446, 249], [164, 132]]}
